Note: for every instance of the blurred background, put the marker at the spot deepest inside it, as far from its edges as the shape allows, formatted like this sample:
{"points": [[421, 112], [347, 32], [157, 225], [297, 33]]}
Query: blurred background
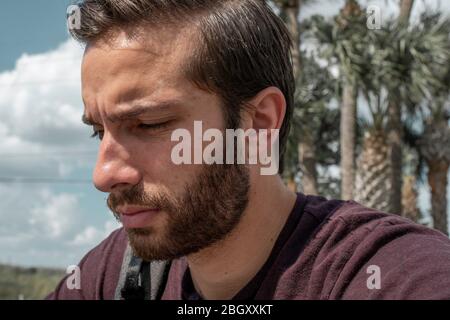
{"points": [[371, 123]]}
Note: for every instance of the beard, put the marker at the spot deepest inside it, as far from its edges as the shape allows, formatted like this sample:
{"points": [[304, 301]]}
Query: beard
{"points": [[208, 209]]}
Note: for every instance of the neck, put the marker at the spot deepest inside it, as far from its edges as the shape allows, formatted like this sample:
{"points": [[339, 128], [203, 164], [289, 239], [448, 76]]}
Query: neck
{"points": [[223, 269]]}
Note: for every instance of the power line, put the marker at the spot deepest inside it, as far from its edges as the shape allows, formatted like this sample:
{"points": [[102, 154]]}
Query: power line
{"points": [[37, 83], [50, 153], [33, 59], [7, 180]]}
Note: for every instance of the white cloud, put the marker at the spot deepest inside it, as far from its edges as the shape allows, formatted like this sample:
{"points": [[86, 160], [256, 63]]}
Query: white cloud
{"points": [[47, 227], [91, 235], [40, 113], [42, 95], [57, 216], [37, 214], [40, 136]]}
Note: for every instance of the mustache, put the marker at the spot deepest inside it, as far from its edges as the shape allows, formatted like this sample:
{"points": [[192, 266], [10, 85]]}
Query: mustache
{"points": [[137, 196]]}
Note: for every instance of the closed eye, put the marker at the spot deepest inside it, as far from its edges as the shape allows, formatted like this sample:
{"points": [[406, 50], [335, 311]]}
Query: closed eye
{"points": [[154, 126], [144, 126]]}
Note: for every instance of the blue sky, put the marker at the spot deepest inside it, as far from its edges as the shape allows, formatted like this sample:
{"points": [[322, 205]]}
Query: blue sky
{"points": [[30, 26], [44, 224], [41, 136]]}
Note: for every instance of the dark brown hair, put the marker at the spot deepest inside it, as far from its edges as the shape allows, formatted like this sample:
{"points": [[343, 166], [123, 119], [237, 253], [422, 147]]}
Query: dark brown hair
{"points": [[244, 46]]}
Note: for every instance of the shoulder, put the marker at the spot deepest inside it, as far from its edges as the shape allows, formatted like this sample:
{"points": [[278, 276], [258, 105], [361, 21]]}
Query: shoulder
{"points": [[410, 260], [321, 208], [99, 270], [355, 245]]}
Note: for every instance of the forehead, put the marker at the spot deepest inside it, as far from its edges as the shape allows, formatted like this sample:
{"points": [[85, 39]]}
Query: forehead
{"points": [[150, 62]]}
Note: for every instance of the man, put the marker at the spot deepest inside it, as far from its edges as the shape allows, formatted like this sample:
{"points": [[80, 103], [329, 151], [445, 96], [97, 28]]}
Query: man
{"points": [[225, 230]]}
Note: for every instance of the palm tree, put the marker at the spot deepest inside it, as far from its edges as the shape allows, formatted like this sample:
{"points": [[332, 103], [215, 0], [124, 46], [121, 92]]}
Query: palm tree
{"points": [[435, 142], [409, 199], [395, 126], [341, 44], [372, 183], [348, 113], [436, 151], [373, 171], [405, 10], [289, 11], [313, 119], [413, 169], [413, 62]]}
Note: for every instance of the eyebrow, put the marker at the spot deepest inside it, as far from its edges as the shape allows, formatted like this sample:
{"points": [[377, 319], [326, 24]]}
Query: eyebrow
{"points": [[134, 112]]}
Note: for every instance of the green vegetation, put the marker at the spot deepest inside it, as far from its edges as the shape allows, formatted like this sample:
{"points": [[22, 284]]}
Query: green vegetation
{"points": [[27, 283]]}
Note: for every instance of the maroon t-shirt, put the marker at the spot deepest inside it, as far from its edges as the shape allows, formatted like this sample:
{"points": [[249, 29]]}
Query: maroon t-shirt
{"points": [[328, 249]]}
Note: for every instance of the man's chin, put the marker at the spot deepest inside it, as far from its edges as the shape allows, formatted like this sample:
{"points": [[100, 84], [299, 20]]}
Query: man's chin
{"points": [[140, 232], [149, 246]]}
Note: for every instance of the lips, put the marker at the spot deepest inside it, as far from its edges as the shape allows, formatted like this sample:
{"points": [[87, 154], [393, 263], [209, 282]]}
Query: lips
{"points": [[137, 217], [129, 210]]}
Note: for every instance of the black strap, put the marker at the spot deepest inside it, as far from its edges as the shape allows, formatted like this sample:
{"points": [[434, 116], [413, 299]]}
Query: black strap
{"points": [[132, 289], [145, 280]]}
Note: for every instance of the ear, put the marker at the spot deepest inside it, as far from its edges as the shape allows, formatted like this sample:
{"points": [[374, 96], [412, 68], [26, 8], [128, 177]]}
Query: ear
{"points": [[268, 109]]}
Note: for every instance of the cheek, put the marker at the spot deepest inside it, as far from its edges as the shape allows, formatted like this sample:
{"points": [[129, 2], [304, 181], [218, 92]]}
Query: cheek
{"points": [[155, 156], [155, 160]]}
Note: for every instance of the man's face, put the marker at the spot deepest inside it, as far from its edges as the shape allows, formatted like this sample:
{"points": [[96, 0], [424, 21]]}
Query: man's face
{"points": [[135, 96]]}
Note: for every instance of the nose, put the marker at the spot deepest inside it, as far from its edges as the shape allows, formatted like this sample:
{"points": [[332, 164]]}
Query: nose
{"points": [[114, 167]]}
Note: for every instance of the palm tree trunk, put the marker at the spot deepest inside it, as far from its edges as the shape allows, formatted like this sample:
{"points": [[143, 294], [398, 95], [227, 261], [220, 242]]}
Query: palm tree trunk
{"points": [[348, 119], [395, 128], [373, 171], [435, 148], [405, 10], [437, 179], [306, 150], [409, 199], [307, 159], [395, 137], [291, 11], [347, 137]]}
